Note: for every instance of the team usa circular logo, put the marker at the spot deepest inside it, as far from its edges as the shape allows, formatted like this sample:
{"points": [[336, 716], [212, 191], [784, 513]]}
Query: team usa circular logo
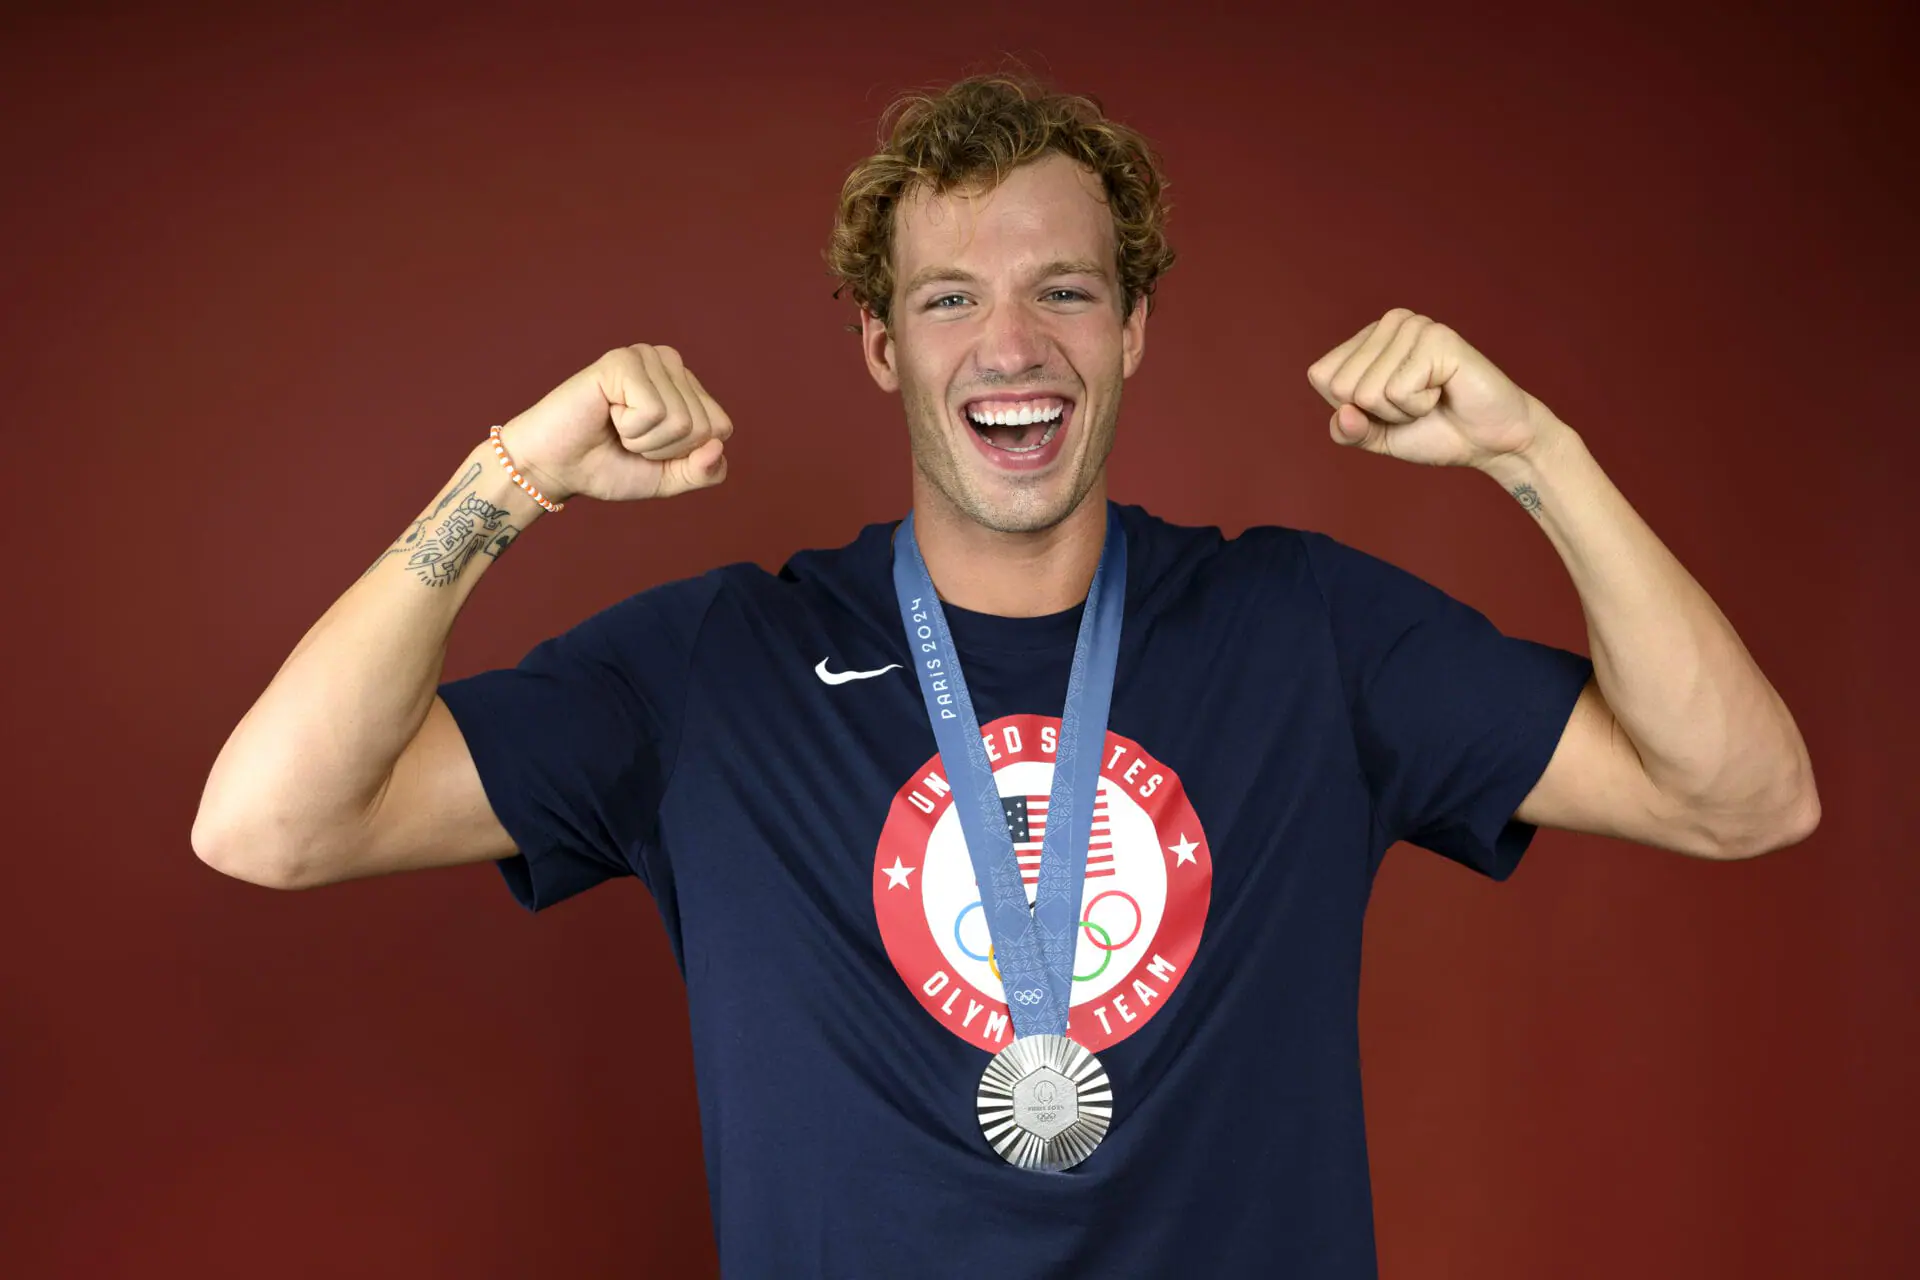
{"points": [[1144, 907]]}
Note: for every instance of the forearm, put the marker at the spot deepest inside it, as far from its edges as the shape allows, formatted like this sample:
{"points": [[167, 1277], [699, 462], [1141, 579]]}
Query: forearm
{"points": [[321, 741], [1711, 732]]}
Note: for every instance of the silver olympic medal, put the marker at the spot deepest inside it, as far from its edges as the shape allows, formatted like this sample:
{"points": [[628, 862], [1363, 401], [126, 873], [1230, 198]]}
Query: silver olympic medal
{"points": [[1045, 1103]]}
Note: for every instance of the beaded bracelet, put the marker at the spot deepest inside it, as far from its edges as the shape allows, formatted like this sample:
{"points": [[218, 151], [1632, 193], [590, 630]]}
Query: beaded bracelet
{"points": [[505, 461]]}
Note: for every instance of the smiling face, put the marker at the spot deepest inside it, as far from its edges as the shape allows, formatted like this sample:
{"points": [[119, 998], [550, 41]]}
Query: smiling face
{"points": [[1007, 343]]}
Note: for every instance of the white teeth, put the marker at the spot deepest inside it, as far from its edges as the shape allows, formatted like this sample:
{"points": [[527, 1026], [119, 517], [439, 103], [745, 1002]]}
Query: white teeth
{"points": [[1016, 417]]}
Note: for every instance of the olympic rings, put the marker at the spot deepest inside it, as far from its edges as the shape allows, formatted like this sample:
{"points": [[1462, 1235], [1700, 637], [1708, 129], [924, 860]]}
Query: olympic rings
{"points": [[1106, 953], [1138, 920], [1107, 945], [963, 946]]}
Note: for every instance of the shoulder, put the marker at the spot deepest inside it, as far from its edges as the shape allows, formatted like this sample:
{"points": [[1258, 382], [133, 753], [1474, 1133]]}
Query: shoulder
{"points": [[1271, 567], [806, 574], [745, 606], [1169, 559], [669, 614]]}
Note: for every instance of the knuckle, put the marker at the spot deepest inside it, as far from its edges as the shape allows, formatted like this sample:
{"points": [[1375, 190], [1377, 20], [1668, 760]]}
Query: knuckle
{"points": [[669, 357]]}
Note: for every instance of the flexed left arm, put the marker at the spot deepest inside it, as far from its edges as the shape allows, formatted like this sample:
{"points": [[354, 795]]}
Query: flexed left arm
{"points": [[1679, 741]]}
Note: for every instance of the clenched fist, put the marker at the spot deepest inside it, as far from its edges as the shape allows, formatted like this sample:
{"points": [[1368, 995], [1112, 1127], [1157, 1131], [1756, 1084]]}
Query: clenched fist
{"points": [[1416, 390], [633, 424]]}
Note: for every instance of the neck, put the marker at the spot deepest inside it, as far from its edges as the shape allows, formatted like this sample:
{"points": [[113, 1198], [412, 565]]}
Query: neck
{"points": [[1013, 575]]}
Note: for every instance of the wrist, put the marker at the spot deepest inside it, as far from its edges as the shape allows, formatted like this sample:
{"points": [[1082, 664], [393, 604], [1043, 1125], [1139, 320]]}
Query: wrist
{"points": [[510, 455], [496, 488], [1552, 446]]}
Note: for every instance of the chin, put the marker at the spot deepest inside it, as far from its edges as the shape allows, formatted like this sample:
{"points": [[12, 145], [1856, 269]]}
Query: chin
{"points": [[1031, 511]]}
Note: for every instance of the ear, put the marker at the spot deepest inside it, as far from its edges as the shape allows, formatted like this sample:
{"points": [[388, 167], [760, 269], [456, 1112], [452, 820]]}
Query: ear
{"points": [[876, 343], [1133, 337]]}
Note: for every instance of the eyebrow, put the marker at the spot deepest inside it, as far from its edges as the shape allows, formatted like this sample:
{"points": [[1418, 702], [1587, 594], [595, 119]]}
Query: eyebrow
{"points": [[1058, 267]]}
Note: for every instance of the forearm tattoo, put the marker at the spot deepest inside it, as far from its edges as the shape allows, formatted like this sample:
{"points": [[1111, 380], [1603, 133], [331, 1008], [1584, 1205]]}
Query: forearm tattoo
{"points": [[1529, 499], [473, 524]]}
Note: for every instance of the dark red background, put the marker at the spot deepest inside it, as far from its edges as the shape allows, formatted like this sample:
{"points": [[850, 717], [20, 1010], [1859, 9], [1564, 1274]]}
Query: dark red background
{"points": [[266, 281]]}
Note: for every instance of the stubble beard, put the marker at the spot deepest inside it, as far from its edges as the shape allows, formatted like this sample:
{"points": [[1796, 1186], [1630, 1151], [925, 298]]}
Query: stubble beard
{"points": [[1019, 505]]}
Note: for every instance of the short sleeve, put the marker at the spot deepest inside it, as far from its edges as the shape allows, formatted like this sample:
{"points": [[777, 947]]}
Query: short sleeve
{"points": [[1454, 721], [575, 746]]}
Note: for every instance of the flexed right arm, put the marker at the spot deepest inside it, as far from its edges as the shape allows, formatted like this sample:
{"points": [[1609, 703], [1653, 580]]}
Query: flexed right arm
{"points": [[349, 764]]}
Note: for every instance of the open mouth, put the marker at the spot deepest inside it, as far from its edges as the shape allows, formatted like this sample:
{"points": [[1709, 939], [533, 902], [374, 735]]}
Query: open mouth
{"points": [[1019, 429]]}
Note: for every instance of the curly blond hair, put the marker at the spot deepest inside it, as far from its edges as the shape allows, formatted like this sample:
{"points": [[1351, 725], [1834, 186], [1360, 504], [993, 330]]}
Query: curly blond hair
{"points": [[974, 133]]}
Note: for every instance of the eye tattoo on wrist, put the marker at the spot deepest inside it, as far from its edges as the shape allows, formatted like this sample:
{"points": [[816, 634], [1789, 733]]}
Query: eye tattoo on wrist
{"points": [[475, 525], [1529, 499]]}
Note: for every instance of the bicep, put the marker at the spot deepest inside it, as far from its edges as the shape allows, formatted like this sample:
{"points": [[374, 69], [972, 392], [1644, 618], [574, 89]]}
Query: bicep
{"points": [[433, 812], [1595, 783]]}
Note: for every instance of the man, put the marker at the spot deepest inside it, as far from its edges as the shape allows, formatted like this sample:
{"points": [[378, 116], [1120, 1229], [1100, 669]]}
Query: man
{"points": [[793, 763]]}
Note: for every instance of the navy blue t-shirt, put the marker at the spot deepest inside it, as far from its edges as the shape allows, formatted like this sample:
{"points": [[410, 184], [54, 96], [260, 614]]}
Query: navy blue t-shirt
{"points": [[754, 747]]}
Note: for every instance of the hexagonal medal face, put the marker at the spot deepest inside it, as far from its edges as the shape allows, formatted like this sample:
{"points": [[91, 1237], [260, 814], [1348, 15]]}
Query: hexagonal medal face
{"points": [[1045, 1103]]}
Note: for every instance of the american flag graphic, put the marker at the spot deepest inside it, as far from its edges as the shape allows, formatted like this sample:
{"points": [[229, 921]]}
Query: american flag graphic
{"points": [[1027, 824]]}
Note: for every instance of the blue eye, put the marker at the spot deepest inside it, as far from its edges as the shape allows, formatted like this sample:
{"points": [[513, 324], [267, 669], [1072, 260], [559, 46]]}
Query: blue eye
{"points": [[1073, 295], [935, 303]]}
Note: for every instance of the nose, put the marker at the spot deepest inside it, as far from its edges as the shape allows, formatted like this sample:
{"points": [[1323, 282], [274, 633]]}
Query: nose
{"points": [[1012, 343]]}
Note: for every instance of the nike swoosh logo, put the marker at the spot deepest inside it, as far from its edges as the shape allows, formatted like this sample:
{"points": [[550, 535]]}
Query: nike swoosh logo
{"points": [[841, 677]]}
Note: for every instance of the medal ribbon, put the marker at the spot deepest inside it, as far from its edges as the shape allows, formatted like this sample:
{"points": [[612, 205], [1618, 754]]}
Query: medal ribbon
{"points": [[1034, 948]]}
